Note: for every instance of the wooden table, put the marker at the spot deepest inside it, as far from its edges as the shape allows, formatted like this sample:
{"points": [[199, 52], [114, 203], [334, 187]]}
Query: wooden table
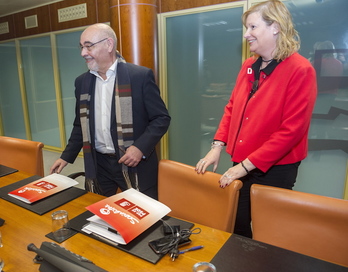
{"points": [[23, 227]]}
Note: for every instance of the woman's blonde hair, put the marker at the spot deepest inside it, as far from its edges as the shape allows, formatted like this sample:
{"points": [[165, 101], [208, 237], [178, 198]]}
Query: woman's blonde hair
{"points": [[274, 11]]}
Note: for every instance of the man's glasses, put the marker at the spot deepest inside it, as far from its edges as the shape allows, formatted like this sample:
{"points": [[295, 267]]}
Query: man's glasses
{"points": [[89, 47]]}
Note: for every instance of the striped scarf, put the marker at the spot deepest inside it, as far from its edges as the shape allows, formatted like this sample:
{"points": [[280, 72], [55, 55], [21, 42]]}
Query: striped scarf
{"points": [[124, 122]]}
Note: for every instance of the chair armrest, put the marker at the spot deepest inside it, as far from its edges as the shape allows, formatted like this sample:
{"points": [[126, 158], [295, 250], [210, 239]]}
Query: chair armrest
{"points": [[77, 174]]}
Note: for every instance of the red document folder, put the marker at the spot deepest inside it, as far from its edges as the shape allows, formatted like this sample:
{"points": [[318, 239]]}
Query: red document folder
{"points": [[42, 188], [128, 213]]}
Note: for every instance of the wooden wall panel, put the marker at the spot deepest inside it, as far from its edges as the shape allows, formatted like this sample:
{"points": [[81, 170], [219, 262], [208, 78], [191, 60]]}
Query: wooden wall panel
{"points": [[98, 12], [170, 5], [90, 19], [10, 20], [103, 11], [43, 20]]}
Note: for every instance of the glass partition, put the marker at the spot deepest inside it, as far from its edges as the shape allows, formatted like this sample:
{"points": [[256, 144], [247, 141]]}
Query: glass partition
{"points": [[40, 89], [71, 65], [203, 56], [11, 110], [31, 96], [324, 41]]}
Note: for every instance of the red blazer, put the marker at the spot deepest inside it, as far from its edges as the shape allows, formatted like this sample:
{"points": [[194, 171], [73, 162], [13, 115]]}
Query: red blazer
{"points": [[272, 127]]}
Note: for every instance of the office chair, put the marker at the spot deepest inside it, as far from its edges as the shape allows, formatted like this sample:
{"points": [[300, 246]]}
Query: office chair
{"points": [[197, 197], [310, 224], [90, 186], [23, 155]]}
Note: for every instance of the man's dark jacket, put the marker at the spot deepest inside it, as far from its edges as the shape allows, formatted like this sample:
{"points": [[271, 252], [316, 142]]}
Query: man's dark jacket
{"points": [[150, 121]]}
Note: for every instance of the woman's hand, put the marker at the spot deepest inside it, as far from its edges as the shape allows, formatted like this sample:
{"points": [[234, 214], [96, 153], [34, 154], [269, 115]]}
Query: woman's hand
{"points": [[212, 157], [236, 172]]}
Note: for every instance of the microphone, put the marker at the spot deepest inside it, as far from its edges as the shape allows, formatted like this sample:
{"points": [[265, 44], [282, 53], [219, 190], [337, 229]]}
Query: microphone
{"points": [[56, 261]]}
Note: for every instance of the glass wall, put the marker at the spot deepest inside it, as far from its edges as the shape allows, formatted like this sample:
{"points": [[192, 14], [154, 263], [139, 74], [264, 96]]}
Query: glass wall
{"points": [[70, 65], [324, 41], [40, 89], [201, 54], [37, 99], [11, 110]]}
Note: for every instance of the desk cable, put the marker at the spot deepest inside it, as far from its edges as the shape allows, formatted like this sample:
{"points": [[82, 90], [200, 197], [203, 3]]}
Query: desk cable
{"points": [[172, 246]]}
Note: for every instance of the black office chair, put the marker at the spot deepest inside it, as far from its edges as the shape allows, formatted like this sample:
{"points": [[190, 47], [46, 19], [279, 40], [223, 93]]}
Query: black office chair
{"points": [[90, 185]]}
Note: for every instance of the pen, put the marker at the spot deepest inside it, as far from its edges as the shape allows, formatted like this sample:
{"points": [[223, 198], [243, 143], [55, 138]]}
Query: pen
{"points": [[190, 249], [113, 230]]}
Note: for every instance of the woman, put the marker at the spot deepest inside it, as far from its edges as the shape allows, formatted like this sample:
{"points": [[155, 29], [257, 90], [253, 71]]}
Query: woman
{"points": [[265, 124]]}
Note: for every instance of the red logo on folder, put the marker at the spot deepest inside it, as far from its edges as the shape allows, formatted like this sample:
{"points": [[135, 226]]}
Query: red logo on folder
{"points": [[139, 212], [45, 185], [125, 204], [132, 208]]}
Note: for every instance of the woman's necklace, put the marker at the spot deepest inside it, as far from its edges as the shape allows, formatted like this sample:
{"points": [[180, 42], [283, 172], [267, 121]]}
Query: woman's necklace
{"points": [[267, 60], [265, 63]]}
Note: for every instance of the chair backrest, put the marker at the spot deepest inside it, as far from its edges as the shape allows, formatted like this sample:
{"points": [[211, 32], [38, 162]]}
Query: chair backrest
{"points": [[23, 155], [305, 223], [197, 197]]}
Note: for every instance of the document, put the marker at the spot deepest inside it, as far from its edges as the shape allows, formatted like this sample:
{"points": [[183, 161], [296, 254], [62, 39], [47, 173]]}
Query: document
{"points": [[42, 188], [122, 217]]}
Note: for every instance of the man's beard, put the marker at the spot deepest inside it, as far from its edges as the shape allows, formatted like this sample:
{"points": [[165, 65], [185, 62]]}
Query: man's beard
{"points": [[93, 67]]}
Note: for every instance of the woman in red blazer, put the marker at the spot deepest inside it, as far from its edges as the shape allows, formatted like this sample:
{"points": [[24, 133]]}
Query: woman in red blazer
{"points": [[266, 122]]}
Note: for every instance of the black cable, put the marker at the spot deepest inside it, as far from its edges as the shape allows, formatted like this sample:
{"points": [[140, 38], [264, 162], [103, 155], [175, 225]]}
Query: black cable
{"points": [[171, 246]]}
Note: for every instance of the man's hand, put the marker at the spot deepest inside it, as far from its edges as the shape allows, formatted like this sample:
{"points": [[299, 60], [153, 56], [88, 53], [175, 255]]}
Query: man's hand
{"points": [[132, 157], [58, 166]]}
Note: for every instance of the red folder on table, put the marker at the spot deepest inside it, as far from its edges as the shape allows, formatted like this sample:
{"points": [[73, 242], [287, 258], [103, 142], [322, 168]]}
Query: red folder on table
{"points": [[42, 188], [122, 217]]}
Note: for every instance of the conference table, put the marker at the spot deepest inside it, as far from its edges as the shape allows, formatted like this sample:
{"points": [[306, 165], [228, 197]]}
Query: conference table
{"points": [[23, 227], [228, 252]]}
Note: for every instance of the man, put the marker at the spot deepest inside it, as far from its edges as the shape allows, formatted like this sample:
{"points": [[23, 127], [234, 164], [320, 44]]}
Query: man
{"points": [[120, 117]]}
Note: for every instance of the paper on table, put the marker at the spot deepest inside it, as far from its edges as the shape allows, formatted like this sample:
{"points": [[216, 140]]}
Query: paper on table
{"points": [[100, 227]]}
